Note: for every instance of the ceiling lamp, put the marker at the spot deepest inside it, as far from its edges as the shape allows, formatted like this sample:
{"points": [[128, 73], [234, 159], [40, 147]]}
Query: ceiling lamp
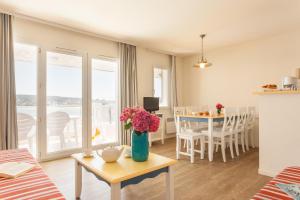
{"points": [[203, 62]]}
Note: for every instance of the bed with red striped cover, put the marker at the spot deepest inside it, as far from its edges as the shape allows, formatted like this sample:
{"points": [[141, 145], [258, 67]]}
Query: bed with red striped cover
{"points": [[33, 185], [270, 191]]}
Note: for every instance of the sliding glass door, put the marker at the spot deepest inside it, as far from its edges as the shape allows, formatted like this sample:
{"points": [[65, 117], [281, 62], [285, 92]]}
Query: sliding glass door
{"points": [[26, 93], [64, 101], [104, 89]]}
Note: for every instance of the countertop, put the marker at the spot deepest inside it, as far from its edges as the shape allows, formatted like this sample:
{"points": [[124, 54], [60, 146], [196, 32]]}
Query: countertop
{"points": [[268, 92]]}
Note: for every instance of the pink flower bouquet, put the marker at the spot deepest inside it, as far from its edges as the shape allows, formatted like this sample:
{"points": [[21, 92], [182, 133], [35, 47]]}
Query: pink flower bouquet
{"points": [[219, 107], [139, 119]]}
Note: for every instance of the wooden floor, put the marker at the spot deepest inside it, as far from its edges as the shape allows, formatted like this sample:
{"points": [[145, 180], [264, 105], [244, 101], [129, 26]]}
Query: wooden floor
{"points": [[237, 179]]}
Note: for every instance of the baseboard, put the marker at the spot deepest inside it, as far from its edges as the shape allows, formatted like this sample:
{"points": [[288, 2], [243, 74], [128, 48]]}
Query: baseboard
{"points": [[270, 173], [170, 135]]}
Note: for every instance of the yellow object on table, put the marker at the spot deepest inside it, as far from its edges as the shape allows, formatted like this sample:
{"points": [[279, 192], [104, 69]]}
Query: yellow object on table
{"points": [[97, 133]]}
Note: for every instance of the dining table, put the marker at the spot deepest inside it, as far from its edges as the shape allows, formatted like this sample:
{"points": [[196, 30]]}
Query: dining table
{"points": [[209, 119]]}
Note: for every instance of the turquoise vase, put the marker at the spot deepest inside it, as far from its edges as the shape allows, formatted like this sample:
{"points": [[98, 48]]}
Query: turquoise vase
{"points": [[140, 146]]}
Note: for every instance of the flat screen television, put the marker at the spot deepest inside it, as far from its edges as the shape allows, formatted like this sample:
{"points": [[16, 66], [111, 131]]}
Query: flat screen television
{"points": [[151, 104]]}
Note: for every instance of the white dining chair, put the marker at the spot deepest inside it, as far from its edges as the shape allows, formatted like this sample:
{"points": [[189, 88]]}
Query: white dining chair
{"points": [[239, 129], [189, 136], [249, 127], [223, 136], [56, 123], [180, 111], [187, 125], [25, 124]]}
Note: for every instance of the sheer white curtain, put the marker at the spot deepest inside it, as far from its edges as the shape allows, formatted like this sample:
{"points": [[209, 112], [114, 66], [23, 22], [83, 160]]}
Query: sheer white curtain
{"points": [[173, 84], [8, 113], [129, 92]]}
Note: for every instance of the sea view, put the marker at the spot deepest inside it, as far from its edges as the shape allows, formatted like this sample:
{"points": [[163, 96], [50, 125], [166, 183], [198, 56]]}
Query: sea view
{"points": [[102, 108]]}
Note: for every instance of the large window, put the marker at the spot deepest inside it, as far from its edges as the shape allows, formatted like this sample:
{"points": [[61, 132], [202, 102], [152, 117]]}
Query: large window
{"points": [[64, 98], [161, 86], [26, 92], [104, 101]]}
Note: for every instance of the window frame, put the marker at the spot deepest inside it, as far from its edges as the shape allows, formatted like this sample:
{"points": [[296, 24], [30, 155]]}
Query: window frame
{"points": [[37, 144], [41, 152], [164, 107], [42, 81], [89, 99]]}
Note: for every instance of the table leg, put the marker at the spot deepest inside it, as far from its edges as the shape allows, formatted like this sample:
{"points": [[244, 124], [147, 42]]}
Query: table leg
{"points": [[210, 140], [170, 184], [78, 179], [115, 191]]}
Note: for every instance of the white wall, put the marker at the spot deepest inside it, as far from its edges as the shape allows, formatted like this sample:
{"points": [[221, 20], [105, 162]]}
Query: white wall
{"points": [[146, 60], [49, 36], [278, 132], [46, 36], [239, 70]]}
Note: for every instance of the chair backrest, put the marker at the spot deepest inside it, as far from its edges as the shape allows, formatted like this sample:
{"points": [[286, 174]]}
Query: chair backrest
{"points": [[241, 118], [179, 111], [230, 114], [25, 123], [56, 122], [251, 112]]}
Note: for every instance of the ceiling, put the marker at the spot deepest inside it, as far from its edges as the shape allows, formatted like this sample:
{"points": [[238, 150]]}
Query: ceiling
{"points": [[168, 25]]}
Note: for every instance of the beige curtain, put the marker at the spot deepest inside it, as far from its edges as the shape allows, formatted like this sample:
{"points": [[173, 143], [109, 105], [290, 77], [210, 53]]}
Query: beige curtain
{"points": [[8, 113], [173, 84], [129, 91]]}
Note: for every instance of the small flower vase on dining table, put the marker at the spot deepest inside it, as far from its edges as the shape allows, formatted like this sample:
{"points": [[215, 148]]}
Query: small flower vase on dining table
{"points": [[219, 111], [140, 146]]}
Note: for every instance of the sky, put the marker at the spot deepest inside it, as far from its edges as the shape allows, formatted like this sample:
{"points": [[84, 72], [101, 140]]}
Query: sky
{"points": [[64, 81]]}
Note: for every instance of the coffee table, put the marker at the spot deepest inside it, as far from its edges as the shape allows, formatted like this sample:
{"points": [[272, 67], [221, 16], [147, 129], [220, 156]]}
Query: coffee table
{"points": [[124, 172]]}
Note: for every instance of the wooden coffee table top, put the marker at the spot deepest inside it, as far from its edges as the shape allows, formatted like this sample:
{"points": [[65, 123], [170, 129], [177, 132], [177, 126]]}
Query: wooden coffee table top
{"points": [[124, 168]]}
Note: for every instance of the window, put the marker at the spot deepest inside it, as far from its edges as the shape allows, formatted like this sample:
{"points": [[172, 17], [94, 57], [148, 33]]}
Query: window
{"points": [[161, 86], [64, 98], [26, 91], [104, 101]]}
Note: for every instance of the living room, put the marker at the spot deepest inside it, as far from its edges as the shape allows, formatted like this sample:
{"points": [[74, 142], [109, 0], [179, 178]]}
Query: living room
{"points": [[153, 100]]}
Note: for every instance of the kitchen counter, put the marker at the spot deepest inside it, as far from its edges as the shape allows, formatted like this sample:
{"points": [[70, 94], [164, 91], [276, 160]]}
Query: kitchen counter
{"points": [[277, 92], [279, 131]]}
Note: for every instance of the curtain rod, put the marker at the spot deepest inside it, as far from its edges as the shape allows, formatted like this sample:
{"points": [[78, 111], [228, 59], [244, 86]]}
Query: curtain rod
{"points": [[7, 12]]}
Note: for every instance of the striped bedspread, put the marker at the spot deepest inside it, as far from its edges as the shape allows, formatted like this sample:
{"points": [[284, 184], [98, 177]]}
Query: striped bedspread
{"points": [[270, 191], [35, 184]]}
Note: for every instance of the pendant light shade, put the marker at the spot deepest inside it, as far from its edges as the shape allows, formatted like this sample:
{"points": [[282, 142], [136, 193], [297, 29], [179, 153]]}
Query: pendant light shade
{"points": [[203, 62]]}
